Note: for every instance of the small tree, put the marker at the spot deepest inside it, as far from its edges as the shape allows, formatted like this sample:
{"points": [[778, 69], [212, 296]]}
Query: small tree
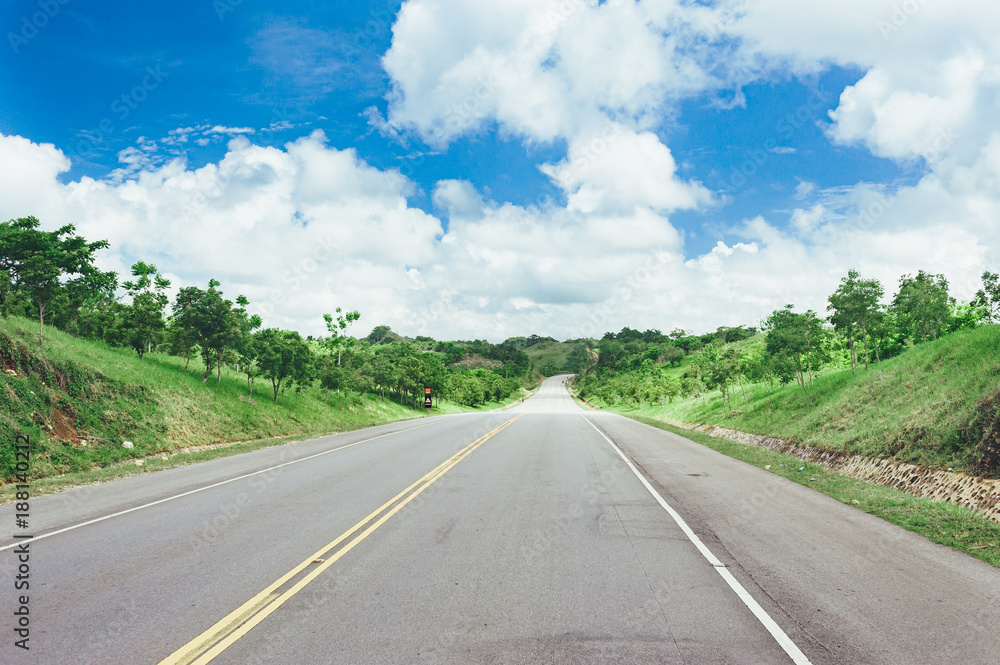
{"points": [[922, 306], [144, 317], [789, 336], [283, 356], [338, 329], [988, 297], [249, 355], [212, 321]]}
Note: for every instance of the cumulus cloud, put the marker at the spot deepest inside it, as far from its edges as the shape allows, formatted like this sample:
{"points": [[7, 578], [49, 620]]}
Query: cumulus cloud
{"points": [[619, 170], [543, 70], [304, 228]]}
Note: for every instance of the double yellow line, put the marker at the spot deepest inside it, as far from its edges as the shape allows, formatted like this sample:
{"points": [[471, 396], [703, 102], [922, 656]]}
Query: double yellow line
{"points": [[204, 648]]}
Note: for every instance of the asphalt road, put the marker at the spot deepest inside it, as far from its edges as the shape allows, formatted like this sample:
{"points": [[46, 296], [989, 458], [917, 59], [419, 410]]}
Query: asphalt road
{"points": [[519, 536]]}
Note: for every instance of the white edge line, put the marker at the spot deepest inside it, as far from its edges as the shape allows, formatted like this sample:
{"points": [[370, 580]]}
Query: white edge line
{"points": [[765, 619], [207, 487]]}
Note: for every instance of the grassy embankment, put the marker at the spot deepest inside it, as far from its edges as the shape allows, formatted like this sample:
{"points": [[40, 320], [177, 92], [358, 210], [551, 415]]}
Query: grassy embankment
{"points": [[932, 405], [79, 401]]}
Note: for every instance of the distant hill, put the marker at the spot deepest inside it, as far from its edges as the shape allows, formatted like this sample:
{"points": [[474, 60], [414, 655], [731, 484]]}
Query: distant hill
{"points": [[549, 357]]}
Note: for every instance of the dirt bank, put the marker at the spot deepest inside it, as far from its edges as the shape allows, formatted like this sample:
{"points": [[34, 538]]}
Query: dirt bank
{"points": [[980, 494]]}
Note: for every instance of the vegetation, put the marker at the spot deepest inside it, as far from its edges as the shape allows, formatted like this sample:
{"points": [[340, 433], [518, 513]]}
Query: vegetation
{"points": [[910, 380], [114, 381], [550, 357]]}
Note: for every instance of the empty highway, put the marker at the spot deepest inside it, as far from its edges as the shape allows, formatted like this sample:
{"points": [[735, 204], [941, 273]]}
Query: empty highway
{"points": [[539, 534]]}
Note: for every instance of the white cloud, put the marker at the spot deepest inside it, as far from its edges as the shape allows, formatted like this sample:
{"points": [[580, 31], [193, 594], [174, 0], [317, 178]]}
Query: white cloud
{"points": [[231, 131], [305, 228], [619, 170], [542, 70]]}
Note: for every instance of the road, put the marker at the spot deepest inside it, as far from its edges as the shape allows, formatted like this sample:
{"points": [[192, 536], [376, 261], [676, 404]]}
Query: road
{"points": [[517, 536]]}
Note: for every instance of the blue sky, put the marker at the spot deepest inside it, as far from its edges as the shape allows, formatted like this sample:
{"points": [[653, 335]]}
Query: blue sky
{"points": [[736, 119]]}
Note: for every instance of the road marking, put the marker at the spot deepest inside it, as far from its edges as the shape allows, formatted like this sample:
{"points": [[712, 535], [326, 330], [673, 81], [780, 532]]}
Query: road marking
{"points": [[208, 487], [765, 619], [204, 648]]}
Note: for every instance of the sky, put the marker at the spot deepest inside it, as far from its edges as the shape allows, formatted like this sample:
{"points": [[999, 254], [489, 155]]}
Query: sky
{"points": [[484, 170]]}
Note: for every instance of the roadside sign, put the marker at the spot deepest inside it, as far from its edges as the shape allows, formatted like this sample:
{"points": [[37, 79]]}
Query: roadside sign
{"points": [[427, 398]]}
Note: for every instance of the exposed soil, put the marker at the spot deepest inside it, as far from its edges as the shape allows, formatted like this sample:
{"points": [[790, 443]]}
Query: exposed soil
{"points": [[63, 426], [980, 494]]}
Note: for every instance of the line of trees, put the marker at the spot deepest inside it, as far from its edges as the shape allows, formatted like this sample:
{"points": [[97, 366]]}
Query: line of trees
{"points": [[859, 329], [51, 275]]}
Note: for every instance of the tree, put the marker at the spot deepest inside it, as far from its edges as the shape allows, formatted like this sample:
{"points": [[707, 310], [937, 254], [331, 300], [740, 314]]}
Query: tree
{"points": [[841, 304], [719, 367], [213, 322], [922, 306], [673, 355], [249, 358], [854, 306], [796, 337], [283, 356], [762, 367], [144, 317], [988, 297], [338, 330], [182, 329], [99, 317], [36, 263], [330, 376]]}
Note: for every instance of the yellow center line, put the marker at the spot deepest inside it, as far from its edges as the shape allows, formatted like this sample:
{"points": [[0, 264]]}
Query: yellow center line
{"points": [[255, 610]]}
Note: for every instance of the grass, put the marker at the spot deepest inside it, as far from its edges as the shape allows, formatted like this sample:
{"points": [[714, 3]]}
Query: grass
{"points": [[926, 406], [552, 356], [80, 400], [946, 524]]}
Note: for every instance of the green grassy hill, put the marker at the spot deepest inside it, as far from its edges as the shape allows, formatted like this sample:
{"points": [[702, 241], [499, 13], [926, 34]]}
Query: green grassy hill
{"points": [[81, 400], [937, 404], [550, 358]]}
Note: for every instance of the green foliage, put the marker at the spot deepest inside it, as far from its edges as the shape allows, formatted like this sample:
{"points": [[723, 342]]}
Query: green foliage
{"points": [[933, 405], [550, 357], [922, 306], [796, 341], [338, 330], [205, 318], [855, 307], [107, 395], [143, 320], [987, 299], [38, 265], [283, 357]]}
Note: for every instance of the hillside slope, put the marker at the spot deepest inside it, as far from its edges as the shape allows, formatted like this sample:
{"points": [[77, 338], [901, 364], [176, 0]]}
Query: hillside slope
{"points": [[551, 357], [937, 405], [79, 401]]}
